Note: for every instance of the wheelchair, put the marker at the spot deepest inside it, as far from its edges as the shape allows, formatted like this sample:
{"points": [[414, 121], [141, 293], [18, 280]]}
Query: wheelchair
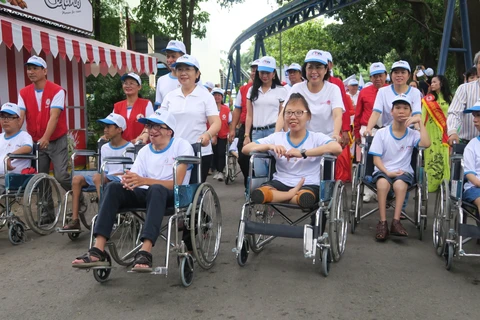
{"points": [[231, 168], [196, 212], [451, 227], [362, 178], [324, 236], [38, 194]]}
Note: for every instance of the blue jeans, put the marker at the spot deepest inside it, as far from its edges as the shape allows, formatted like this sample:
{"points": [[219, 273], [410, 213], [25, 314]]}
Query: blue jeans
{"points": [[259, 165], [156, 199]]}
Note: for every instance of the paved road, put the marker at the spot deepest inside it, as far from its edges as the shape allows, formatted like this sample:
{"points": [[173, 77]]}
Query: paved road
{"points": [[397, 279]]}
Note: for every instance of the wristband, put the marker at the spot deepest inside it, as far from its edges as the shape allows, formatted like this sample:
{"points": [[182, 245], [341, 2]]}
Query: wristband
{"points": [[209, 135], [246, 135]]}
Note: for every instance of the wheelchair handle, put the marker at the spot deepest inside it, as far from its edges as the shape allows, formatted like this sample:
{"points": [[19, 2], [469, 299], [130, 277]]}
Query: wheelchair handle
{"points": [[188, 160], [21, 156], [329, 157], [118, 160], [257, 154], [86, 153], [129, 150]]}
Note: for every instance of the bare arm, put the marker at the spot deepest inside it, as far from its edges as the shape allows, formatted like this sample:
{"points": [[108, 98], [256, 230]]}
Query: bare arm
{"points": [[372, 121], [233, 125], [332, 147], [252, 146], [473, 179]]}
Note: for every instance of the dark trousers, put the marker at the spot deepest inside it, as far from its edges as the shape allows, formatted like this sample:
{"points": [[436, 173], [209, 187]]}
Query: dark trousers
{"points": [[219, 151], [115, 198], [243, 160]]}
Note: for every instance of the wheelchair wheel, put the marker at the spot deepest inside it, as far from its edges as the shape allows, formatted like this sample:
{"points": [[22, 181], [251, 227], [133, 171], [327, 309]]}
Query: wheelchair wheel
{"points": [[421, 207], [358, 205], [102, 274], [242, 257], [338, 223], [259, 213], [187, 270], [124, 241], [448, 255], [73, 235], [16, 233], [326, 259], [206, 225], [231, 170], [441, 220], [91, 200], [42, 203]]}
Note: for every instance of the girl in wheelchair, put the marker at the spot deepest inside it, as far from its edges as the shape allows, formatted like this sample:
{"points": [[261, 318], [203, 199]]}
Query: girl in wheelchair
{"points": [[297, 154], [392, 149]]}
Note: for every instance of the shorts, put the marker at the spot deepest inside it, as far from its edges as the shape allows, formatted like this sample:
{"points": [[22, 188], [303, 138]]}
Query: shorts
{"points": [[471, 194], [282, 187], [406, 177], [110, 177]]}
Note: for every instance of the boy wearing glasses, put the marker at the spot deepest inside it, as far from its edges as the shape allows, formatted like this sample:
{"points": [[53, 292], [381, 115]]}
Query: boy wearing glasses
{"points": [[115, 125], [14, 141], [148, 184]]}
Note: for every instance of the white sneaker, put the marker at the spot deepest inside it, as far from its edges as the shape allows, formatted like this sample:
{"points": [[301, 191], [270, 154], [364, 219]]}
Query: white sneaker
{"points": [[215, 176], [220, 176], [367, 197]]}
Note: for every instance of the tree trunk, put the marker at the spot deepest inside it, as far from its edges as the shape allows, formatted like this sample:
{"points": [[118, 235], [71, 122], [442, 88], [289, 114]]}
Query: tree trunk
{"points": [[187, 7]]}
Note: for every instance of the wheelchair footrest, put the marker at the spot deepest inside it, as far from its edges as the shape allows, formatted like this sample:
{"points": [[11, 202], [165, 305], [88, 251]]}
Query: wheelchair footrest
{"points": [[69, 230], [276, 230], [468, 230]]}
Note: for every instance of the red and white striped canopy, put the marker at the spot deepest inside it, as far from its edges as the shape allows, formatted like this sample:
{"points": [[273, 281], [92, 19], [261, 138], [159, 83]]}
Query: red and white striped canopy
{"points": [[107, 58]]}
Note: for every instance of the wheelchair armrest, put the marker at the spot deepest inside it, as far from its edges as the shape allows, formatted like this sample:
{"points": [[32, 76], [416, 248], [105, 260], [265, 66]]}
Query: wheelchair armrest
{"points": [[86, 153], [22, 156], [257, 154], [188, 160], [456, 157], [129, 150], [118, 160]]}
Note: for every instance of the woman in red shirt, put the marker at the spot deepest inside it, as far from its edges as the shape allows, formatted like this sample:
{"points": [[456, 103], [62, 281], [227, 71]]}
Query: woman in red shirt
{"points": [[220, 147]]}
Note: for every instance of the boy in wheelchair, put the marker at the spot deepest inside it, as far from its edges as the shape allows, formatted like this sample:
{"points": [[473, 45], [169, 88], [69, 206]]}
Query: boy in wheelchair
{"points": [[13, 140], [298, 154], [471, 160], [149, 183], [114, 126], [392, 149]]}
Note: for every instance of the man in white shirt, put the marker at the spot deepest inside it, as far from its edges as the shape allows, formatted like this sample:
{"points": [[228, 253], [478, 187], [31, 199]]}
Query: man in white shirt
{"points": [[12, 141], [169, 82]]}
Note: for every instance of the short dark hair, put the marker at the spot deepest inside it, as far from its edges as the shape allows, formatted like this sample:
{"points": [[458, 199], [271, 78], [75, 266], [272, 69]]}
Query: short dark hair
{"points": [[297, 97]]}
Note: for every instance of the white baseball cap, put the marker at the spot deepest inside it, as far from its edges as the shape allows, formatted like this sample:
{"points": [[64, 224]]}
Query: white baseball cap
{"points": [[161, 116], [402, 98], [353, 82], [175, 45], [329, 56], [316, 56], [294, 66], [209, 85], [401, 64], [377, 68], [255, 63], [115, 118], [267, 64], [10, 108], [429, 72], [132, 75], [475, 107], [36, 61], [218, 90], [188, 60], [420, 73]]}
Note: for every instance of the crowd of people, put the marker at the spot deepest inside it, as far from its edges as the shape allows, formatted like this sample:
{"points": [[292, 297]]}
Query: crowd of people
{"points": [[296, 122]]}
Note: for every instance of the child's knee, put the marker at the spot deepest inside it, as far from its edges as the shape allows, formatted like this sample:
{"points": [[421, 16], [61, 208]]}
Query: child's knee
{"points": [[78, 180], [400, 185], [383, 184], [97, 178]]}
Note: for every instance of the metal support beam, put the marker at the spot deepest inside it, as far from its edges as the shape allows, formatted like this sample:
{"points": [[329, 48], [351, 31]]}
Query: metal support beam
{"points": [[238, 69], [466, 34]]}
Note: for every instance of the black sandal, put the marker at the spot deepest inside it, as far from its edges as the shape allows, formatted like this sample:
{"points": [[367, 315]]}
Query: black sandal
{"points": [[143, 257], [87, 261]]}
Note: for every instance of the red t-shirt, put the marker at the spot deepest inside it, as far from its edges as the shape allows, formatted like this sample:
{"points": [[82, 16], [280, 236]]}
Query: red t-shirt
{"points": [[365, 102], [347, 103], [243, 91]]}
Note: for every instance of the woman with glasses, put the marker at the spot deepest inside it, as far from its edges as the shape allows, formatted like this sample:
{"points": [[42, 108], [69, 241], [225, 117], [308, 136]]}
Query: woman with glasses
{"points": [[133, 108], [323, 97], [297, 153], [193, 107]]}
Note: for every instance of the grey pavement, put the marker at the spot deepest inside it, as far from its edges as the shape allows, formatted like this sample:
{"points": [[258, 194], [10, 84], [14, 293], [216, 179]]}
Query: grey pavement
{"points": [[401, 278]]}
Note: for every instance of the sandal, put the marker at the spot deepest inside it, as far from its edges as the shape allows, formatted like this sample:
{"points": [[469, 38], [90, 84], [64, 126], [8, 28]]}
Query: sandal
{"points": [[72, 225], [396, 229], [143, 257], [382, 231], [87, 261]]}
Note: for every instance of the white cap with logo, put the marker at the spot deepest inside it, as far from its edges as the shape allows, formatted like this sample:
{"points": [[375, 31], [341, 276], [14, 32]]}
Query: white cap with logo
{"points": [[377, 68], [267, 64], [402, 98], [353, 82], [294, 66], [36, 61], [209, 85], [115, 118], [402, 65], [175, 45], [161, 116], [132, 75], [218, 90], [316, 56], [329, 56], [10, 108], [188, 60], [255, 63]]}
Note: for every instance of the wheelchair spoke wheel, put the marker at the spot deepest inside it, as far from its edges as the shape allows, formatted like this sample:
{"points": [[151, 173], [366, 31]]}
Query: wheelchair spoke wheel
{"points": [[326, 259], [124, 241], [242, 256], [187, 270], [16, 233], [338, 221], [259, 213], [206, 225], [73, 235], [448, 255], [91, 201], [102, 274], [440, 225], [42, 203]]}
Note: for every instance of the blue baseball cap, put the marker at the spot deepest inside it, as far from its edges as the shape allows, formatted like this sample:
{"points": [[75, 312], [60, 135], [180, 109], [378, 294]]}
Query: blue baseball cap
{"points": [[267, 64], [115, 118]]}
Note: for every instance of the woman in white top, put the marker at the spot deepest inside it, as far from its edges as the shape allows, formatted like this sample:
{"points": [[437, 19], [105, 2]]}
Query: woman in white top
{"points": [[297, 153], [193, 106], [323, 97]]}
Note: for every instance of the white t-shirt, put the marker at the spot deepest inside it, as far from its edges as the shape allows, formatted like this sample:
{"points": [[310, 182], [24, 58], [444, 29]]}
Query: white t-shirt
{"points": [[159, 164], [267, 105], [191, 113], [10, 144], [396, 153], [290, 172], [58, 100], [165, 84], [233, 146], [471, 160], [109, 151], [384, 100], [321, 105], [148, 110]]}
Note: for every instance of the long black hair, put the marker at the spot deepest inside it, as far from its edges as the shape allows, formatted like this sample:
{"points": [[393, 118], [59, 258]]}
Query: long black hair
{"points": [[444, 89], [257, 83]]}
